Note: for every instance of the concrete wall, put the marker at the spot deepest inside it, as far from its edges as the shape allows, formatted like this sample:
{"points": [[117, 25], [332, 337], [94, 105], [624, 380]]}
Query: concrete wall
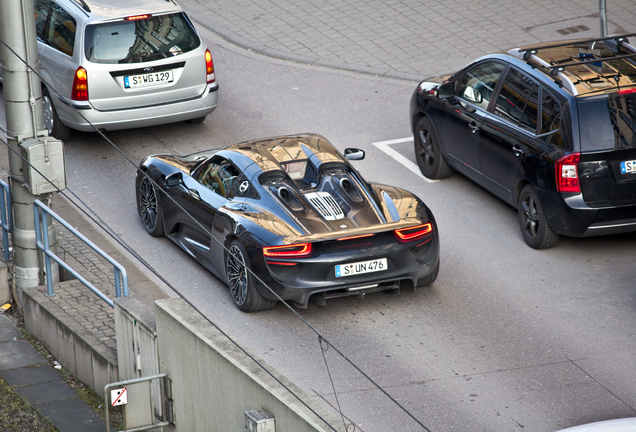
{"points": [[81, 353], [214, 382], [5, 290]]}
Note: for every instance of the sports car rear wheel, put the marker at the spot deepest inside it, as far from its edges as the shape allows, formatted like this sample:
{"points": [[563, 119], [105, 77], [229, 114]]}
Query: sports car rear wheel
{"points": [[149, 207], [427, 152], [241, 281], [425, 281]]}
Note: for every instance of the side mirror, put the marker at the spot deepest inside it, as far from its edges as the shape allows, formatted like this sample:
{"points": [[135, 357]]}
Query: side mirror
{"points": [[445, 91], [174, 179], [354, 154]]}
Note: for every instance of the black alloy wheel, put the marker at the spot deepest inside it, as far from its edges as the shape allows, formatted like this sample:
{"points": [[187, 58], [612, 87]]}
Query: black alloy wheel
{"points": [[241, 281], [427, 152], [149, 207], [51, 120], [534, 226]]}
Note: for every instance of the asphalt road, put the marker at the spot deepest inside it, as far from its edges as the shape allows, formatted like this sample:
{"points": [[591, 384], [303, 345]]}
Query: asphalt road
{"points": [[507, 339]]}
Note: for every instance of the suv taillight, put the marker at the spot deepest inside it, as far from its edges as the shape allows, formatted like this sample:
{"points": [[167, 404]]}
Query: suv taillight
{"points": [[80, 85], [209, 67], [567, 175]]}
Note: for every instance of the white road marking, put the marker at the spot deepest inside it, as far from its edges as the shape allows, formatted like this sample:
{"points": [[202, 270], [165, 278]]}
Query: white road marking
{"points": [[385, 147]]}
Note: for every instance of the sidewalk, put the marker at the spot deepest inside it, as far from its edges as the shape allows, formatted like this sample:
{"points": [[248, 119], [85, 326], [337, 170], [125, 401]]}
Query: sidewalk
{"points": [[408, 39], [24, 369]]}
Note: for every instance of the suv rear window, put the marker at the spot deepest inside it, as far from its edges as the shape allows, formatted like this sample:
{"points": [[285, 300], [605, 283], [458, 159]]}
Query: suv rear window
{"points": [[140, 40], [608, 122]]}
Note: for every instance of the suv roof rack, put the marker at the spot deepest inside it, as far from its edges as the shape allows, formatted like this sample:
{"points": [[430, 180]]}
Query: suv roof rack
{"points": [[556, 70], [561, 67], [619, 40]]}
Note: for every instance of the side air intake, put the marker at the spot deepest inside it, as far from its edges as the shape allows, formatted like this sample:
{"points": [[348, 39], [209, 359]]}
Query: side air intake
{"points": [[325, 204]]}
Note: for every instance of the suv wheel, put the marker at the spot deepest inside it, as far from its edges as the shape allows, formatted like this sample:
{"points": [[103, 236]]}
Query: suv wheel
{"points": [[534, 226], [51, 120]]}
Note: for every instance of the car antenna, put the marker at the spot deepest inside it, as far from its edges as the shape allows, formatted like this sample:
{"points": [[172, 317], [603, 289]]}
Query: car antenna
{"points": [[84, 5]]}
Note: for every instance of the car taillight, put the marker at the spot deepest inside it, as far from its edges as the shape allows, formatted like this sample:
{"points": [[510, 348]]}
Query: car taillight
{"points": [[567, 175], [288, 251], [137, 17], [414, 232], [627, 91], [80, 85], [209, 67]]}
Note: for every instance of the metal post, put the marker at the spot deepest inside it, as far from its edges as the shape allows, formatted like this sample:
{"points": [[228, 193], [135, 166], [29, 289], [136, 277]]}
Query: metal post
{"points": [[23, 99], [602, 13]]}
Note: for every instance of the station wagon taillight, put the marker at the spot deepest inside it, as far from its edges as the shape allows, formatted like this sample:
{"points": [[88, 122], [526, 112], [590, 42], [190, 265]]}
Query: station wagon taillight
{"points": [[414, 232], [137, 17], [567, 175], [79, 92], [209, 67], [288, 251]]}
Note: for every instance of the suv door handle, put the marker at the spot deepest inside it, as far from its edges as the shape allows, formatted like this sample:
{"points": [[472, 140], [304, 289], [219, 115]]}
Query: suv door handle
{"points": [[517, 150], [473, 126]]}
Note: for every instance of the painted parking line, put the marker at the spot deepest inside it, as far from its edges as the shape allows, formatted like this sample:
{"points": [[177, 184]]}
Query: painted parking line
{"points": [[385, 146]]}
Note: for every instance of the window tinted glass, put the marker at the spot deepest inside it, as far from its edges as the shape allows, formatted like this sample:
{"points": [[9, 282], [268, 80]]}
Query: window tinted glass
{"points": [[518, 100], [141, 40], [61, 30], [219, 176], [41, 11], [551, 119], [608, 123], [478, 83]]}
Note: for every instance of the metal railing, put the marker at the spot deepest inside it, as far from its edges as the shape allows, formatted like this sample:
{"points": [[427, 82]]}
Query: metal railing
{"points": [[7, 220], [41, 213]]}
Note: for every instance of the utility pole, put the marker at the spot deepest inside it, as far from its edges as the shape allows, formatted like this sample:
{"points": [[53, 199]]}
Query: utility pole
{"points": [[602, 13], [23, 99]]}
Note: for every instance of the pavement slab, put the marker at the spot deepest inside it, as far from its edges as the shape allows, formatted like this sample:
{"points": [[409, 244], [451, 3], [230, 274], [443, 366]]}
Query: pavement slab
{"points": [[72, 415], [33, 375], [17, 354]]}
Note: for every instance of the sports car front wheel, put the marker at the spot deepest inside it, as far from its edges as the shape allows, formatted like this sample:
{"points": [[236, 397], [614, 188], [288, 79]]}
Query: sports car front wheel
{"points": [[149, 210], [241, 281]]}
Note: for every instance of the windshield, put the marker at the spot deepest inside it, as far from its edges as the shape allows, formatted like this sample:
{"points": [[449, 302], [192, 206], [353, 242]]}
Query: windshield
{"points": [[140, 40], [608, 122]]}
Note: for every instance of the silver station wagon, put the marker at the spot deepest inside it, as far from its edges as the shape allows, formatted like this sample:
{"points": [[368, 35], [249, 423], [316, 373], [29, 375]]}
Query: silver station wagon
{"points": [[120, 64]]}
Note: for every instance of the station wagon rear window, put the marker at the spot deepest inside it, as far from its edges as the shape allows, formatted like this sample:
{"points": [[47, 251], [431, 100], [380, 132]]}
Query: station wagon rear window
{"points": [[608, 122], [142, 40]]}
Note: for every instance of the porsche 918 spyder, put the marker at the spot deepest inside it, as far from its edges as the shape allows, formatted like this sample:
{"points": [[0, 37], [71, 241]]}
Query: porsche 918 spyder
{"points": [[289, 218]]}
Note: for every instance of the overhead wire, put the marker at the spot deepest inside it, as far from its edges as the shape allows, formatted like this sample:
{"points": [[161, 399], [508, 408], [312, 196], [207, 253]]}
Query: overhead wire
{"points": [[120, 241]]}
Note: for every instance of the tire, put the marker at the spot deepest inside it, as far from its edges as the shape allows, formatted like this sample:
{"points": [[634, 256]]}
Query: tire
{"points": [[532, 221], [427, 152], [241, 281], [196, 120], [148, 206], [426, 281], [51, 120]]}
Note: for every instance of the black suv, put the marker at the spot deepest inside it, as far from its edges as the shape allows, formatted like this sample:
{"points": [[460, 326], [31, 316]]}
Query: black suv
{"points": [[549, 128]]}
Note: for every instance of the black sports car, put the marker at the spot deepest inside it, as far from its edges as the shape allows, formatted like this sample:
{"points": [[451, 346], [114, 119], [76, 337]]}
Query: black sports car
{"points": [[295, 212]]}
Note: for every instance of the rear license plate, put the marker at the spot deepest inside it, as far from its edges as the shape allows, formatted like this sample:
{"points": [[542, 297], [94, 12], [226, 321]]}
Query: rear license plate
{"points": [[628, 167], [371, 266], [149, 79]]}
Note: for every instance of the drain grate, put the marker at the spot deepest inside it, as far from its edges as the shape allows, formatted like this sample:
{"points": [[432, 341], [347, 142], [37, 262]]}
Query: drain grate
{"points": [[575, 29]]}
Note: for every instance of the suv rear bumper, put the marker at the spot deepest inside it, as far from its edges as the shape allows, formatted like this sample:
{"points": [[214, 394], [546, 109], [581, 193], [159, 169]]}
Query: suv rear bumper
{"points": [[568, 214], [138, 117]]}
